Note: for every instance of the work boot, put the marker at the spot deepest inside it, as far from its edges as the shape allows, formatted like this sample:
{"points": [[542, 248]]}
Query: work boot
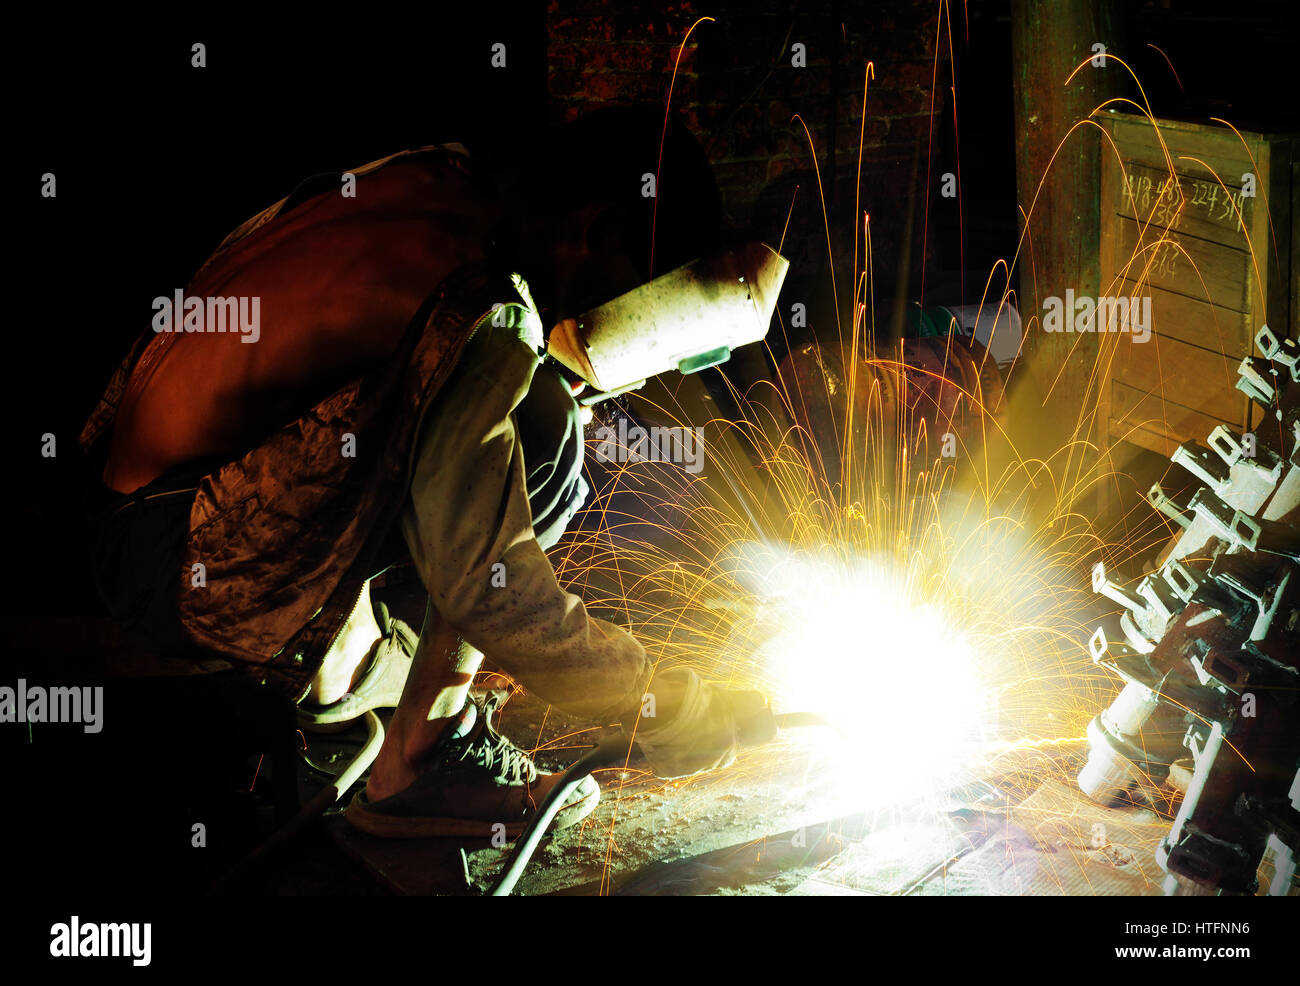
{"points": [[380, 684], [474, 784]]}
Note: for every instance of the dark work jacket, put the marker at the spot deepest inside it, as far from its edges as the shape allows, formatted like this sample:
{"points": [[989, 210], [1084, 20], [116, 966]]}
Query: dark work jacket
{"points": [[288, 529]]}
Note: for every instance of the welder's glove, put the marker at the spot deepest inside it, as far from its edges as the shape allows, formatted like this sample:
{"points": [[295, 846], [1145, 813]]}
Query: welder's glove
{"points": [[697, 726]]}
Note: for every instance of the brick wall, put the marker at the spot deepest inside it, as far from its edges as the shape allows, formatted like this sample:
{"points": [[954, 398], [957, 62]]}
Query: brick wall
{"points": [[738, 90]]}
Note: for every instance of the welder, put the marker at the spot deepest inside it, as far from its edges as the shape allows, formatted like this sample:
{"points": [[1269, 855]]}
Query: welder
{"points": [[427, 324]]}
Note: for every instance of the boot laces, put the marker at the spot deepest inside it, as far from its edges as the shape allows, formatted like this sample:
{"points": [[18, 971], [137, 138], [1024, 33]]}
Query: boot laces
{"points": [[494, 752]]}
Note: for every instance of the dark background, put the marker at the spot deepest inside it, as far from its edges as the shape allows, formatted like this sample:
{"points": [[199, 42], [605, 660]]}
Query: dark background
{"points": [[156, 161]]}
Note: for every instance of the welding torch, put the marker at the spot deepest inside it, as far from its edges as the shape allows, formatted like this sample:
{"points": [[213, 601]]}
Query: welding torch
{"points": [[612, 751]]}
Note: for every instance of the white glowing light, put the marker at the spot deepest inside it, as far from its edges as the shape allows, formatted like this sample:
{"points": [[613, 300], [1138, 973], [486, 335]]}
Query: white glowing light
{"points": [[896, 676]]}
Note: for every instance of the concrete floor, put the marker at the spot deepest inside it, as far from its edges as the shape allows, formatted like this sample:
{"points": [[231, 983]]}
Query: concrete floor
{"points": [[774, 825], [778, 823]]}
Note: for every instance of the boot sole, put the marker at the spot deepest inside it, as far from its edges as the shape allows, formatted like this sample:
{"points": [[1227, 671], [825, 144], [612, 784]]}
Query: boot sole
{"points": [[363, 818]]}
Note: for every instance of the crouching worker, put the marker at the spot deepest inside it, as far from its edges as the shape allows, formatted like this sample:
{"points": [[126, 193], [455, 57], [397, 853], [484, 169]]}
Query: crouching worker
{"points": [[401, 388]]}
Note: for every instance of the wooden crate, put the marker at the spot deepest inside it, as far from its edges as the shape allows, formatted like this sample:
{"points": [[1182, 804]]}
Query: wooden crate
{"points": [[1178, 226]]}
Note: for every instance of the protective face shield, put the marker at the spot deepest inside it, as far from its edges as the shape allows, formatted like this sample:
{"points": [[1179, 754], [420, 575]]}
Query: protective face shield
{"points": [[687, 319]]}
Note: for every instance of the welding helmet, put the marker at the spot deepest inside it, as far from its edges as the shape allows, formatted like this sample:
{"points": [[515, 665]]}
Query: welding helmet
{"points": [[687, 319]]}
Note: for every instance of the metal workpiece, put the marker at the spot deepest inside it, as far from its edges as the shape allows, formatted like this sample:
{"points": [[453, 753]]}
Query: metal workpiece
{"points": [[1214, 635], [1155, 602], [1161, 598], [1253, 381], [1112, 590], [1133, 633], [1114, 737], [1204, 464], [1111, 769], [1286, 498], [1240, 477], [1157, 498], [1281, 352]]}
